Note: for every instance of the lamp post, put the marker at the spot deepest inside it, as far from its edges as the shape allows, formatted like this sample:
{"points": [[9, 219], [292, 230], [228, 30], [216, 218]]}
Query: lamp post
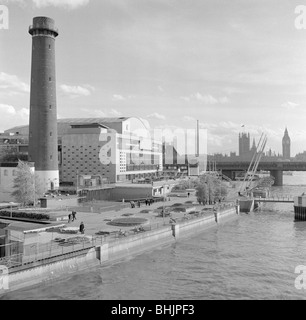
{"points": [[164, 192], [220, 187], [11, 215], [34, 195], [77, 182]]}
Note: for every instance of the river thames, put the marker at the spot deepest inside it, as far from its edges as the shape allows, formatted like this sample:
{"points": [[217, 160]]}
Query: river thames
{"points": [[253, 257]]}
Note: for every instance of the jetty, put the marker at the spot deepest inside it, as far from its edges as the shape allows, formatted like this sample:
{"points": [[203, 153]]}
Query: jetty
{"points": [[275, 199]]}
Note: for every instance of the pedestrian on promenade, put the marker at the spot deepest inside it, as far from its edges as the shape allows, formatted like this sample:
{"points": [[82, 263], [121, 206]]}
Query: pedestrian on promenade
{"points": [[138, 203], [146, 201], [82, 227], [188, 194], [73, 215], [69, 217]]}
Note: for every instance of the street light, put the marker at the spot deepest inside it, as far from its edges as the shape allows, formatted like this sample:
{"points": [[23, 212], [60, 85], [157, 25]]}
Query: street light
{"points": [[34, 196], [164, 192], [11, 203]]}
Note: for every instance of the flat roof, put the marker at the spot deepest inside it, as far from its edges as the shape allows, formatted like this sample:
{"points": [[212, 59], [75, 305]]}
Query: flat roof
{"points": [[14, 164], [92, 120], [27, 227]]}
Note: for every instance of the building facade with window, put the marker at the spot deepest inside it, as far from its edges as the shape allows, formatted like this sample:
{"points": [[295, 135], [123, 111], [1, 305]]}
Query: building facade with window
{"points": [[110, 152], [93, 151], [8, 172]]}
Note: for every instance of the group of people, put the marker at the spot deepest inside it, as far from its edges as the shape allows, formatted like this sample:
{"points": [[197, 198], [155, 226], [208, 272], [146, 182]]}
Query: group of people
{"points": [[148, 202], [72, 217], [133, 204]]}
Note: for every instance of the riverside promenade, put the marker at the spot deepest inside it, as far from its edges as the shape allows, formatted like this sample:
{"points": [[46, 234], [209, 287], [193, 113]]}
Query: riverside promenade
{"points": [[102, 212], [99, 220], [61, 251]]}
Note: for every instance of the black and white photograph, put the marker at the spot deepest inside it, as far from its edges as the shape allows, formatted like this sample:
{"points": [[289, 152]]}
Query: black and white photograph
{"points": [[152, 152]]}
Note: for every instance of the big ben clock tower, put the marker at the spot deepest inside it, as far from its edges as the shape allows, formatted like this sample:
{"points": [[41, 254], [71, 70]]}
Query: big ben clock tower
{"points": [[286, 145]]}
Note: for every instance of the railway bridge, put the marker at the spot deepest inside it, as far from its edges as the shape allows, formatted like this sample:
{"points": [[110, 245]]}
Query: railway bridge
{"points": [[276, 168]]}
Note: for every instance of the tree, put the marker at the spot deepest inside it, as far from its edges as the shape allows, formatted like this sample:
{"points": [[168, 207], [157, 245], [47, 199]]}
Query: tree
{"points": [[202, 193], [210, 189], [26, 185], [12, 155], [190, 183]]}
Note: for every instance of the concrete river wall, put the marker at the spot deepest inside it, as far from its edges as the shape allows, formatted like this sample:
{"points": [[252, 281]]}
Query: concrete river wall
{"points": [[107, 253]]}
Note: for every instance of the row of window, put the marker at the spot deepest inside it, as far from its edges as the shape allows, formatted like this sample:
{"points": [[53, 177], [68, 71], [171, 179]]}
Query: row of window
{"points": [[6, 172], [85, 161], [74, 148]]}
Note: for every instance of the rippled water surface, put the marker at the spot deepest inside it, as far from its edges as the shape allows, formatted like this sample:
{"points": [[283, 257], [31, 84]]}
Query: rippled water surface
{"points": [[253, 257]]}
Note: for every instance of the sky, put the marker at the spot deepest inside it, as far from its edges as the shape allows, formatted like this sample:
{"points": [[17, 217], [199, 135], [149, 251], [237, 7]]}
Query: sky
{"points": [[172, 62]]}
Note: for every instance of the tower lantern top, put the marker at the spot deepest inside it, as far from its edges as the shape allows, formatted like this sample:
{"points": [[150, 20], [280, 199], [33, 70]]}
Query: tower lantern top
{"points": [[43, 23]]}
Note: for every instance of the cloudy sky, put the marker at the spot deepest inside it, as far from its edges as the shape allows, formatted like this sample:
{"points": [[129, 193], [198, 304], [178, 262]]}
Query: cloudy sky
{"points": [[225, 63]]}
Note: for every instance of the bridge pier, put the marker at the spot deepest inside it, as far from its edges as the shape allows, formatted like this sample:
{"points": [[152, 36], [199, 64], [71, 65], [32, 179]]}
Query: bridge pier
{"points": [[278, 176]]}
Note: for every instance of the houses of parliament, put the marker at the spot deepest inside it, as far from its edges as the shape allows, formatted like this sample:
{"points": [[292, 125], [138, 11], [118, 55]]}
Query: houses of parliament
{"points": [[246, 151]]}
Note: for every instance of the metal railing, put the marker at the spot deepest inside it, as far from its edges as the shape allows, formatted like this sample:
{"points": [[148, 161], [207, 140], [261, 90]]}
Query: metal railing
{"points": [[60, 246], [275, 198], [39, 251]]}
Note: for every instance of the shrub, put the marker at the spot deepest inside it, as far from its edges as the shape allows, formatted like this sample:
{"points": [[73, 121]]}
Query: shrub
{"points": [[176, 204], [25, 215], [179, 209]]}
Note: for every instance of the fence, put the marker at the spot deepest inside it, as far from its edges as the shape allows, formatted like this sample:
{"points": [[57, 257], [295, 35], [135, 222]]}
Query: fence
{"points": [[17, 254], [39, 251]]}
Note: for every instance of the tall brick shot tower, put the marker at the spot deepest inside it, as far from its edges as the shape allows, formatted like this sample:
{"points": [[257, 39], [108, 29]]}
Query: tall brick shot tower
{"points": [[43, 145]]}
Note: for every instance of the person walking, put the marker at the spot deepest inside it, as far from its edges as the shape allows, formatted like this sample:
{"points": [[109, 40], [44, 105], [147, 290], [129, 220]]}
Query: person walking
{"points": [[138, 203], [69, 217], [82, 227], [73, 215]]}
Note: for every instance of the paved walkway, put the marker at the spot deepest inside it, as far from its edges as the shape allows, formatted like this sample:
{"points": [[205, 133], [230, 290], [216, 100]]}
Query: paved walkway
{"points": [[95, 221], [98, 221]]}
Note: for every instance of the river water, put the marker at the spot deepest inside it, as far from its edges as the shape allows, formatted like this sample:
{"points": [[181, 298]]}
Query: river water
{"points": [[253, 257]]}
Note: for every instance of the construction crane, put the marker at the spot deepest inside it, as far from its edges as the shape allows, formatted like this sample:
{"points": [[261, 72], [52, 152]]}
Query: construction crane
{"points": [[249, 176]]}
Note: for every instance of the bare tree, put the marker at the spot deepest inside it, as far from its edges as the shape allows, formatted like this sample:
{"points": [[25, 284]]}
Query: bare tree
{"points": [[26, 185]]}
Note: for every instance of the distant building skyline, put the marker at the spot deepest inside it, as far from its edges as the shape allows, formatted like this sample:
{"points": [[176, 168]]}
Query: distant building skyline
{"points": [[168, 64], [246, 153]]}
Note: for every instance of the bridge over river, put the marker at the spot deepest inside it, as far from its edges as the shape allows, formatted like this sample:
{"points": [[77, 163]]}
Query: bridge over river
{"points": [[276, 168]]}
